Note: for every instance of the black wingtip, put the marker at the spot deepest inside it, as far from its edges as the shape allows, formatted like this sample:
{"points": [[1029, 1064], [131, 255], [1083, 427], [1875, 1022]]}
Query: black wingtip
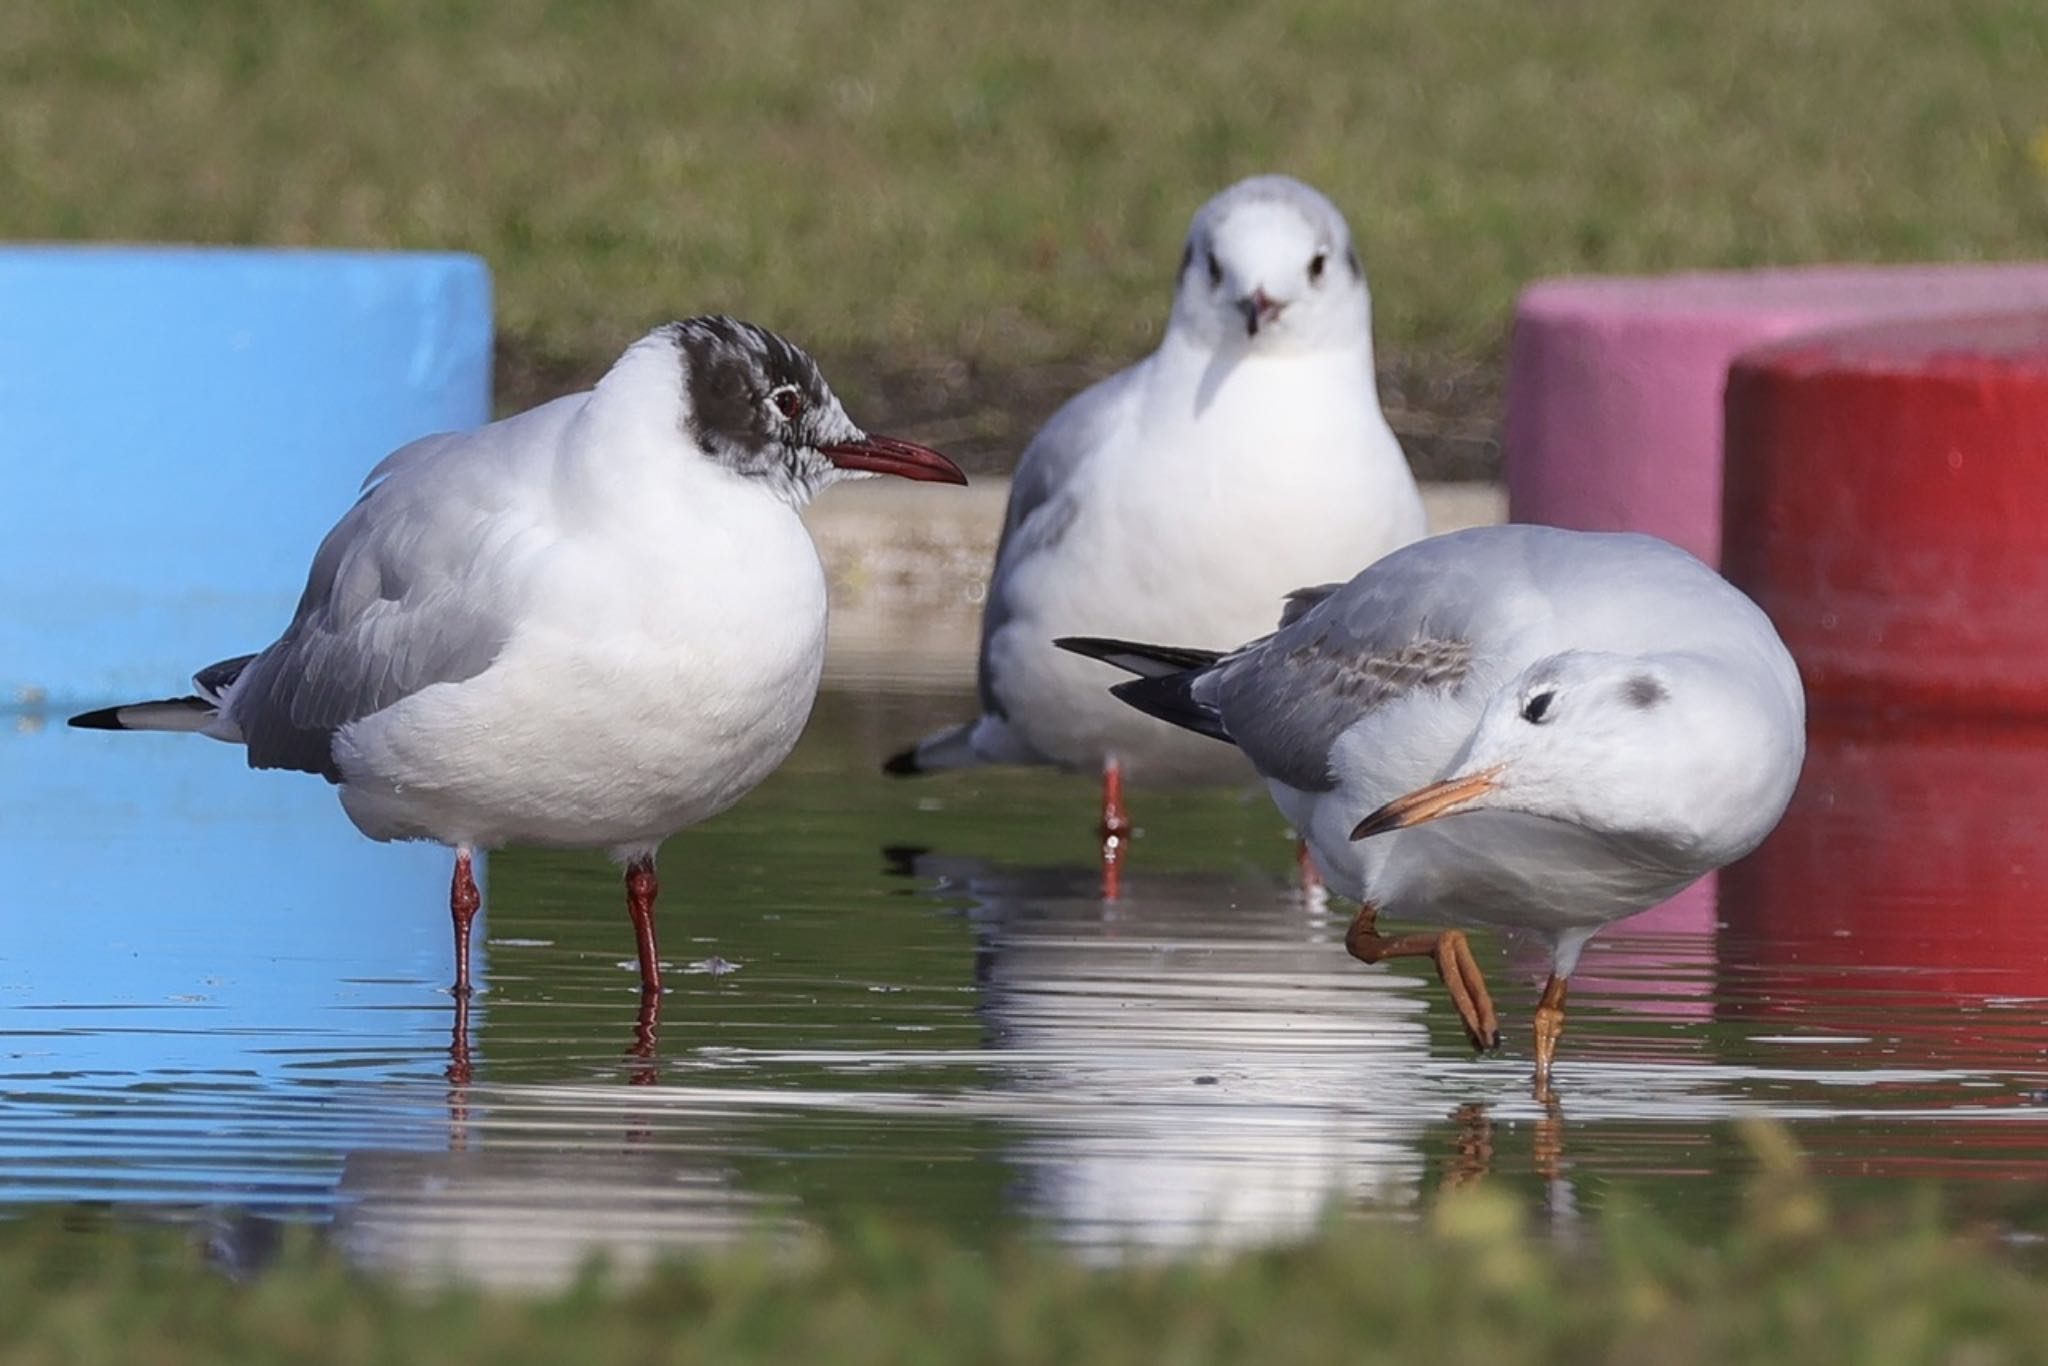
{"points": [[903, 765], [1171, 699], [1098, 647], [1137, 657], [106, 718]]}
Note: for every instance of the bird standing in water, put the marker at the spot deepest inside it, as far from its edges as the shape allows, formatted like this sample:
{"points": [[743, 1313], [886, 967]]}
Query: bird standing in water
{"points": [[1511, 726], [588, 625], [1180, 499]]}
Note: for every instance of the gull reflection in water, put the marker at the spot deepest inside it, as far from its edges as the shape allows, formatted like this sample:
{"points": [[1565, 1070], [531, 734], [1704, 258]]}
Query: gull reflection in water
{"points": [[1200, 1063], [539, 1182], [532, 1213]]}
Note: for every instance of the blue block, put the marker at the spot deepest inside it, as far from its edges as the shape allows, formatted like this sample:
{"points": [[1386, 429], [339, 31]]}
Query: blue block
{"points": [[178, 429]]}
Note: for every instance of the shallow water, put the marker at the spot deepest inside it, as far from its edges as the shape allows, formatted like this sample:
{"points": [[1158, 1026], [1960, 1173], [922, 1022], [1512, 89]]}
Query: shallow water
{"points": [[910, 997]]}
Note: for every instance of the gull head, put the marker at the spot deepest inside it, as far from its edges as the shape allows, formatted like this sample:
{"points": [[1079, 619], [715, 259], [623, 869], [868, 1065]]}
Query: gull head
{"points": [[1269, 265], [758, 405], [1669, 755]]}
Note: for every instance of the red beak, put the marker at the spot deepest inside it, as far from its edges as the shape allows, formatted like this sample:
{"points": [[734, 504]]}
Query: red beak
{"points": [[887, 455]]}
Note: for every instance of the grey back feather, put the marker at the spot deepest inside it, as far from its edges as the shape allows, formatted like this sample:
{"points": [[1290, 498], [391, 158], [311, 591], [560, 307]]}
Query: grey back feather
{"points": [[1342, 651], [1409, 624]]}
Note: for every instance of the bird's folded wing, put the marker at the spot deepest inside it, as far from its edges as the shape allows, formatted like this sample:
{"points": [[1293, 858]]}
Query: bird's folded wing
{"points": [[1038, 514], [1343, 653], [415, 586]]}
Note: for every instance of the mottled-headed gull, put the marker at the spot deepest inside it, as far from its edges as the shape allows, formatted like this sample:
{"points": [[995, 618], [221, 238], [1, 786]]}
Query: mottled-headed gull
{"points": [[1179, 499], [1604, 718], [588, 625]]}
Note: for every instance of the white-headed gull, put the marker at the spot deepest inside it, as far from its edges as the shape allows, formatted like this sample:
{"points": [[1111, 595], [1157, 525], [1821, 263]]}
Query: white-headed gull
{"points": [[1179, 499], [588, 625], [1606, 718]]}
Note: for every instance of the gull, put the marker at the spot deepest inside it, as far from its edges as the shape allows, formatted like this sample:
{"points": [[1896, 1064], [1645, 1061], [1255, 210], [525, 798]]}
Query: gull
{"points": [[588, 625], [1513, 726], [1179, 499]]}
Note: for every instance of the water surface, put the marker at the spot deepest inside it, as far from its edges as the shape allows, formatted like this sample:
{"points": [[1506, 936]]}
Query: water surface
{"points": [[910, 997]]}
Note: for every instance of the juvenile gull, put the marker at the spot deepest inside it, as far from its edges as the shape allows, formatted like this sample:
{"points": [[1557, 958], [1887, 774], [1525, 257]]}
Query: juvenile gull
{"points": [[1179, 499], [588, 625], [1605, 717]]}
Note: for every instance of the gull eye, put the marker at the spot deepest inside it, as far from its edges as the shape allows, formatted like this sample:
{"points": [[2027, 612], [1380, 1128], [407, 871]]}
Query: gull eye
{"points": [[1538, 707], [1215, 272], [1315, 266], [788, 402]]}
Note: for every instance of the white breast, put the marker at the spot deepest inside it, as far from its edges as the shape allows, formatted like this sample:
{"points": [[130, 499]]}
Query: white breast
{"points": [[662, 672], [1190, 527]]}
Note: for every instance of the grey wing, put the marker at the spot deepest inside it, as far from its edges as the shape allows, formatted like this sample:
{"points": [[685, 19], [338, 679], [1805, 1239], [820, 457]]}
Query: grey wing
{"points": [[1404, 625], [396, 601], [1038, 515]]}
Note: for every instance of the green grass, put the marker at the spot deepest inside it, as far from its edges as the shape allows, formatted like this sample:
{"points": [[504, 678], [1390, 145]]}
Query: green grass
{"points": [[945, 198], [1793, 1282]]}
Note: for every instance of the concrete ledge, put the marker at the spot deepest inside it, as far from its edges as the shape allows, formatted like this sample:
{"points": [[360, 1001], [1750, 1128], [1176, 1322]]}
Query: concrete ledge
{"points": [[909, 568]]}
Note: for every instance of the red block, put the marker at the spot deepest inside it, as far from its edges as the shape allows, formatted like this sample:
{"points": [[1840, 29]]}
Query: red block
{"points": [[1886, 502]]}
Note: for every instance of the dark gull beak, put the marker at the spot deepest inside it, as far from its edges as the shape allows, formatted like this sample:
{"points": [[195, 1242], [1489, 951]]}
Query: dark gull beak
{"points": [[1427, 803], [1259, 308], [887, 455]]}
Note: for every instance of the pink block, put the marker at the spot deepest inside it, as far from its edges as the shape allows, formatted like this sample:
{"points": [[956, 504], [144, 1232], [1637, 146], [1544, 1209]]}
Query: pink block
{"points": [[1614, 383]]}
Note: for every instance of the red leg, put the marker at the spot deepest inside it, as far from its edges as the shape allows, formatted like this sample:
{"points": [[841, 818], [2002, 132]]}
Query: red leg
{"points": [[463, 899], [1549, 1027], [1115, 829], [1116, 823], [1305, 864], [642, 887]]}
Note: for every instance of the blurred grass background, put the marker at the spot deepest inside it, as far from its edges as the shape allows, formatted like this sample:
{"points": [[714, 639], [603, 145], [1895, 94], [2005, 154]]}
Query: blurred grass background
{"points": [[968, 210]]}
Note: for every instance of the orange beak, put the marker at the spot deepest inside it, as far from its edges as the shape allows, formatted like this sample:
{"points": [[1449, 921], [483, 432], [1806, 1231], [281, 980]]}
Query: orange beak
{"points": [[1427, 803]]}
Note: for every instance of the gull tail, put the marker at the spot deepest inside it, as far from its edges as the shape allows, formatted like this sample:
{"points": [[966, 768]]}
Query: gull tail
{"points": [[1166, 685], [952, 747], [200, 712], [987, 739]]}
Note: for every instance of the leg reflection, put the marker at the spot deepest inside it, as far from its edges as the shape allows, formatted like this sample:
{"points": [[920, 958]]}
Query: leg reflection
{"points": [[646, 1038], [458, 1044], [1547, 1147], [1471, 1159], [1473, 1156], [459, 1074]]}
